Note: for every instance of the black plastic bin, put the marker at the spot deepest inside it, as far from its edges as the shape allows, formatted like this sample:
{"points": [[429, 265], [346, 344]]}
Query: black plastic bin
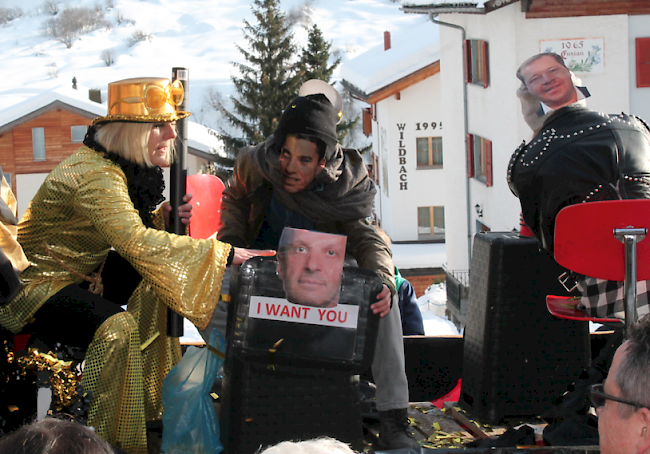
{"points": [[517, 358], [304, 386]]}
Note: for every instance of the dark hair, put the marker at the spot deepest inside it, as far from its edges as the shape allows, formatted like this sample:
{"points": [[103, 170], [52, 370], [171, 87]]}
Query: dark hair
{"points": [[310, 117], [528, 61], [633, 374], [54, 436]]}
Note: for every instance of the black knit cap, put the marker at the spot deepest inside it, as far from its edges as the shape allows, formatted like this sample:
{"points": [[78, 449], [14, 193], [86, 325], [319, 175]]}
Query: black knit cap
{"points": [[311, 115]]}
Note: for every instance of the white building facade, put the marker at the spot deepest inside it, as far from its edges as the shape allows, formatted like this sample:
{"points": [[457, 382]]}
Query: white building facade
{"points": [[412, 183], [484, 42], [400, 84]]}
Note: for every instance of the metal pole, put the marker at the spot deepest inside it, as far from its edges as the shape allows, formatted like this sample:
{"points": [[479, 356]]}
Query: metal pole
{"points": [[178, 185], [630, 237]]}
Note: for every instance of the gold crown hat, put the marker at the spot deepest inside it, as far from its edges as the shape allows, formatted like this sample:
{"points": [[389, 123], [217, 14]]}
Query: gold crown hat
{"points": [[144, 100]]}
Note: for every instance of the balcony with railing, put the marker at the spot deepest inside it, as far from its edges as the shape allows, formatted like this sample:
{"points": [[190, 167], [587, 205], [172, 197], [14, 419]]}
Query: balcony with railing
{"points": [[457, 283]]}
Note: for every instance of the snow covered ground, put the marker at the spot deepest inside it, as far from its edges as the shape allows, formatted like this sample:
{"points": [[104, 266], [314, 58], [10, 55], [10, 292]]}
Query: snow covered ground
{"points": [[432, 305]]}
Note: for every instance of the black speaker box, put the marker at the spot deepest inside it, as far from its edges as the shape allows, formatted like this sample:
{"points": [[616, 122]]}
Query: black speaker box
{"points": [[289, 380], [517, 357]]}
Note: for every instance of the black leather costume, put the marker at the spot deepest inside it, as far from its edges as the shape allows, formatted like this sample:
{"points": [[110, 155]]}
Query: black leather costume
{"points": [[579, 155]]}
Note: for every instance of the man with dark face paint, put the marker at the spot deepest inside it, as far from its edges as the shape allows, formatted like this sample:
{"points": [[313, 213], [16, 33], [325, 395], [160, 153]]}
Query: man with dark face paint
{"points": [[301, 177]]}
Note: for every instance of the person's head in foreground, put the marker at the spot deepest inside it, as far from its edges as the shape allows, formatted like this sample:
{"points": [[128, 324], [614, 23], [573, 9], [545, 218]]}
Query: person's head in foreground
{"points": [[140, 125], [548, 79], [623, 401], [323, 445], [54, 436], [311, 265], [307, 134]]}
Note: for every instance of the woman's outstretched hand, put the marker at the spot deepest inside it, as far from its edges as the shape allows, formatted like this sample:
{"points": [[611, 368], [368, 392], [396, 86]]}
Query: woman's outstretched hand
{"points": [[241, 254]]}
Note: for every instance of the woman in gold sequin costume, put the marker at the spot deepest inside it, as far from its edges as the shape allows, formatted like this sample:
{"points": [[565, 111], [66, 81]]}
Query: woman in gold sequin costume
{"points": [[95, 216]]}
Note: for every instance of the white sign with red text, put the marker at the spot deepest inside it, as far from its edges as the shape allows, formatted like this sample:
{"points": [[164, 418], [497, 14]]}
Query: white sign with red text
{"points": [[341, 316]]}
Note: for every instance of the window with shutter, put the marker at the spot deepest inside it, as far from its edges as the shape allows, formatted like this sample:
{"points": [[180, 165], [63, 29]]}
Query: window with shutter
{"points": [[488, 163], [431, 222], [476, 62], [429, 152], [479, 159], [367, 121], [470, 155], [643, 62], [38, 144]]}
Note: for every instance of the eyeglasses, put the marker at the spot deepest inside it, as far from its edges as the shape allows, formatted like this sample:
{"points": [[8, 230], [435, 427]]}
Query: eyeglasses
{"points": [[597, 396], [155, 97]]}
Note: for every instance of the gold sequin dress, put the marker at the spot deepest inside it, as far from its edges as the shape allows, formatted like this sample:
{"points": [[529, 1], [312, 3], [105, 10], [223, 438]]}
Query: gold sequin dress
{"points": [[81, 211]]}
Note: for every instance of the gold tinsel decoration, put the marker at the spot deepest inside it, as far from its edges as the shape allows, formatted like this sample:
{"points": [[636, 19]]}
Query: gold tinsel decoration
{"points": [[63, 377]]}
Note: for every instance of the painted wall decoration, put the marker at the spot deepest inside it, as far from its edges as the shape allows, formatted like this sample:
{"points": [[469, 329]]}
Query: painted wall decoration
{"points": [[581, 55], [384, 160]]}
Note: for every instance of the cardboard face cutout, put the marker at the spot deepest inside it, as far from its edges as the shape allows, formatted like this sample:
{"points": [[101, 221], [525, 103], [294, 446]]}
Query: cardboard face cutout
{"points": [[310, 265]]}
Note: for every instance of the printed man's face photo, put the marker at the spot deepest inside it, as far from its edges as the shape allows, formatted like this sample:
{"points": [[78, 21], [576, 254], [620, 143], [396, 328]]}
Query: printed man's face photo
{"points": [[311, 265], [550, 82]]}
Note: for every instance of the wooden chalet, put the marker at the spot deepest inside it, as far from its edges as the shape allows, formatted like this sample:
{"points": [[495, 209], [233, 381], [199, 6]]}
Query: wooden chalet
{"points": [[37, 134], [41, 130]]}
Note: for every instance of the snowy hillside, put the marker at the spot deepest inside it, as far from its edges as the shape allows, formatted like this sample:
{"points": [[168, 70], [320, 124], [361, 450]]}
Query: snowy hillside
{"points": [[197, 34]]}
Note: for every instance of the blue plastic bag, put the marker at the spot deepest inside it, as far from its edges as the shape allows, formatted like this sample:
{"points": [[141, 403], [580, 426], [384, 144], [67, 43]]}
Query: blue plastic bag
{"points": [[190, 424]]}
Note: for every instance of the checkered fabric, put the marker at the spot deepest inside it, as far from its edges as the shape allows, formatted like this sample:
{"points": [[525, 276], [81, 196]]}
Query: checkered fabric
{"points": [[601, 298]]}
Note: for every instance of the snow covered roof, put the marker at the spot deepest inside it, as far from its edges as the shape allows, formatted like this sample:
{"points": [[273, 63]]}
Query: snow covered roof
{"points": [[409, 52], [443, 6], [205, 139], [420, 255], [23, 102]]}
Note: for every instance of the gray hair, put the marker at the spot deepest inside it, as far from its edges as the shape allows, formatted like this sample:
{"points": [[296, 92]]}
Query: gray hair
{"points": [[324, 445], [54, 436], [633, 374], [528, 61]]}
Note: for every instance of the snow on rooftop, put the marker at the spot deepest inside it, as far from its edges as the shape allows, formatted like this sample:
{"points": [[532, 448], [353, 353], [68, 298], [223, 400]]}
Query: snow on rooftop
{"points": [[428, 255], [23, 101], [444, 3], [410, 51], [205, 139]]}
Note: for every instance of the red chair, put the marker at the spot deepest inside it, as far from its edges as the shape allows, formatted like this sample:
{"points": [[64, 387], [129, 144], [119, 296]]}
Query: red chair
{"points": [[603, 240], [206, 193]]}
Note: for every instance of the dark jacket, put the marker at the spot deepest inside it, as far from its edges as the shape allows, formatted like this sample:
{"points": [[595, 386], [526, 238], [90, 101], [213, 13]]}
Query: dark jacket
{"points": [[579, 156], [245, 204], [412, 323]]}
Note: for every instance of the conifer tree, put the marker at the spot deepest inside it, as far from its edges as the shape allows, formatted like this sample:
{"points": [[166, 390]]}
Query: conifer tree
{"points": [[315, 57], [268, 79], [314, 64]]}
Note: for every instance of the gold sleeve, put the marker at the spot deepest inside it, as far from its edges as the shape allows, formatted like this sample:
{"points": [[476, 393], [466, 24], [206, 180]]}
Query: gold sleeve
{"points": [[8, 233], [185, 273]]}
